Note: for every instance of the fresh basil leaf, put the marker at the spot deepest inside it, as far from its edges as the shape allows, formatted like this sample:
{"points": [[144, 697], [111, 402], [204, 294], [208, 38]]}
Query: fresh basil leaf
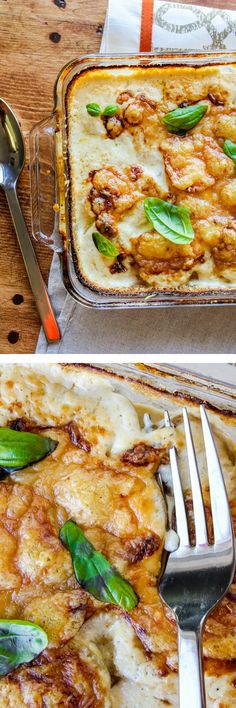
{"points": [[110, 110], [20, 449], [104, 246], [93, 109], [94, 572], [230, 149], [183, 119], [20, 642], [172, 222]]}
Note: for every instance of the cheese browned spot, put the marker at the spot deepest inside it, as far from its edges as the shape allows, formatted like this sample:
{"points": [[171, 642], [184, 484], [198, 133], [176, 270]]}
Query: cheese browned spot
{"points": [[114, 193], [114, 126], [194, 163], [141, 548], [225, 251], [77, 437], [109, 196], [137, 109], [141, 454], [155, 254]]}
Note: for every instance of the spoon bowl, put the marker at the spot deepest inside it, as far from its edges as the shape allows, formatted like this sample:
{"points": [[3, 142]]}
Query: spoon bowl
{"points": [[12, 151]]}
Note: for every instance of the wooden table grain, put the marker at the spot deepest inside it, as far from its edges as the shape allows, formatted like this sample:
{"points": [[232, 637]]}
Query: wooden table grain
{"points": [[36, 38]]}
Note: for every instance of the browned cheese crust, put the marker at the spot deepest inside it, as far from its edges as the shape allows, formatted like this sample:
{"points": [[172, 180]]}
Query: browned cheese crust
{"points": [[193, 172], [98, 654]]}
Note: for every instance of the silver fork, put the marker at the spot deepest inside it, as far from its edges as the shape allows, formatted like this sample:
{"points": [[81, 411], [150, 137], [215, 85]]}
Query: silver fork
{"points": [[197, 577]]}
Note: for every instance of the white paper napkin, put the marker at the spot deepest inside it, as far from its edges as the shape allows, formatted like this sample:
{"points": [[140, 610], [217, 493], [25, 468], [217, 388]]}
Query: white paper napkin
{"points": [[188, 330]]}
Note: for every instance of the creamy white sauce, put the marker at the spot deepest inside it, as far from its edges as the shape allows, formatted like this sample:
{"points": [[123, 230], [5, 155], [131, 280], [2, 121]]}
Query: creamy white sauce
{"points": [[90, 148]]}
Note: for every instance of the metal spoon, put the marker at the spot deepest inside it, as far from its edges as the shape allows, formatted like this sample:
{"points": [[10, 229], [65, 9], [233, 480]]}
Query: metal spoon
{"points": [[12, 156]]}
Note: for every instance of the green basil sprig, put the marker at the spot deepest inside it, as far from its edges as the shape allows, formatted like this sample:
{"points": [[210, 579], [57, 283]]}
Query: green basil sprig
{"points": [[20, 449], [110, 110], [230, 149], [93, 109], [104, 246], [94, 572], [183, 119], [172, 222], [20, 642]]}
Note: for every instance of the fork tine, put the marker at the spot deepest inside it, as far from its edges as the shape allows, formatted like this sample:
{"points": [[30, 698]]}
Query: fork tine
{"points": [[219, 501], [181, 518], [198, 506]]}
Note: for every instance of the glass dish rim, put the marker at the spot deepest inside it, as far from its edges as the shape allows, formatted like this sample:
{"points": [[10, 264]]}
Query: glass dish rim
{"points": [[218, 395]]}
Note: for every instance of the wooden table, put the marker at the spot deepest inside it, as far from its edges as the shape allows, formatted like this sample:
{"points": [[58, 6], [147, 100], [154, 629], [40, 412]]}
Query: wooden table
{"points": [[36, 38]]}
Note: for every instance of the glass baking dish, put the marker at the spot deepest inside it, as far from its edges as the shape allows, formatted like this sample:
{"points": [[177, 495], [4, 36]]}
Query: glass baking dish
{"points": [[198, 388], [49, 176]]}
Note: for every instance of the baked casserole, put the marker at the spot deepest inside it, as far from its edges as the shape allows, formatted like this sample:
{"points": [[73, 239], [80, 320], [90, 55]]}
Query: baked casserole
{"points": [[151, 157], [93, 502]]}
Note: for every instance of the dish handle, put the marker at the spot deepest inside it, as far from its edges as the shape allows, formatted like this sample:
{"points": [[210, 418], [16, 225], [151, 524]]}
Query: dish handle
{"points": [[43, 184]]}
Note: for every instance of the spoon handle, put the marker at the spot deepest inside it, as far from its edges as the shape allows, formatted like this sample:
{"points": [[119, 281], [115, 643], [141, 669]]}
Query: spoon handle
{"points": [[43, 304]]}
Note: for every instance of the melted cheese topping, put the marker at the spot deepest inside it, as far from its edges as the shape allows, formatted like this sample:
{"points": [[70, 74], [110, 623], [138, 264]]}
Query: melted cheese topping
{"points": [[116, 162], [99, 655]]}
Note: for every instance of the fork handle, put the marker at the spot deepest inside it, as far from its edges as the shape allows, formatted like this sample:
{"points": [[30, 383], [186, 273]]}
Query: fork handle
{"points": [[191, 680]]}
